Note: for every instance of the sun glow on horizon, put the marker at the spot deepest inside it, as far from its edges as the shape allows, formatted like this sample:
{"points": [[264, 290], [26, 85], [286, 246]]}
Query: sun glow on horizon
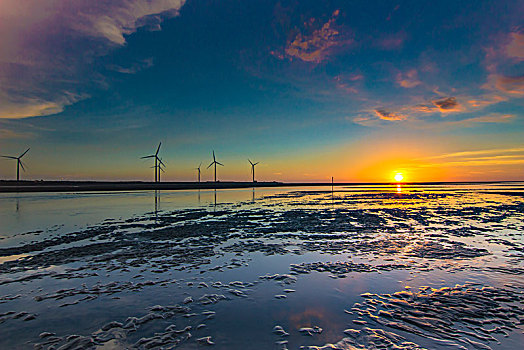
{"points": [[399, 177]]}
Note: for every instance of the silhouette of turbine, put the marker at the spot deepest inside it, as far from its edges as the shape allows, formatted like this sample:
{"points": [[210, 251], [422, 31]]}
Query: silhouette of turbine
{"points": [[215, 163], [18, 163], [253, 168], [199, 171], [160, 169], [157, 161]]}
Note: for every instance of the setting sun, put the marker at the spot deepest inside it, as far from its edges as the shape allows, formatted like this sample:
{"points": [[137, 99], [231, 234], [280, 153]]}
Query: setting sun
{"points": [[398, 177]]}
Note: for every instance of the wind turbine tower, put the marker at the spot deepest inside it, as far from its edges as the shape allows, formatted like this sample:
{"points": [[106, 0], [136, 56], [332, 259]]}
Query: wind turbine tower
{"points": [[199, 171], [253, 168], [18, 163], [214, 163]]}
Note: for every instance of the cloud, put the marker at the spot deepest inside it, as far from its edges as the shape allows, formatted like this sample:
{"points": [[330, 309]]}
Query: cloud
{"points": [[508, 156], [484, 101], [490, 118], [386, 115], [48, 48], [408, 79], [515, 48], [114, 19], [134, 68], [448, 104], [478, 152], [391, 42], [506, 84], [349, 82], [318, 45]]}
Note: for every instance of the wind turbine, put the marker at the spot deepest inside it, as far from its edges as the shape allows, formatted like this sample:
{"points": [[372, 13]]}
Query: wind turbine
{"points": [[199, 171], [160, 169], [156, 161], [18, 163], [252, 168], [215, 163]]}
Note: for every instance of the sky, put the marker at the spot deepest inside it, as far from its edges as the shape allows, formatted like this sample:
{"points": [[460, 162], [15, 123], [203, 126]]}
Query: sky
{"points": [[357, 90]]}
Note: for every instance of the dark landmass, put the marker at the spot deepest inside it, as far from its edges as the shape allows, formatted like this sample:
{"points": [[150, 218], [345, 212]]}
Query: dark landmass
{"points": [[81, 186]]}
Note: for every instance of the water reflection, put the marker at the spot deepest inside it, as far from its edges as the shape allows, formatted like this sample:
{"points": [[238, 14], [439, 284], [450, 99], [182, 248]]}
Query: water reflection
{"points": [[399, 189]]}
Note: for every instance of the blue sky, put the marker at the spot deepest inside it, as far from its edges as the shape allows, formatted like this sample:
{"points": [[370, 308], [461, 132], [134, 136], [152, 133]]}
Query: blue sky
{"points": [[313, 89]]}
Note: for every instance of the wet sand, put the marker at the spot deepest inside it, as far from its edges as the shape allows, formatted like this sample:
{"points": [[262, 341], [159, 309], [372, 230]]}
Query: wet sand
{"points": [[426, 268]]}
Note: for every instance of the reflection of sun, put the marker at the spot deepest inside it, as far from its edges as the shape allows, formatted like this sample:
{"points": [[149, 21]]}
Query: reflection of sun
{"points": [[399, 177]]}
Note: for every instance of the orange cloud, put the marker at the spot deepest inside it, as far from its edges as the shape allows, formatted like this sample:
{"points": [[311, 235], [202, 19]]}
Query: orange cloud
{"points": [[490, 118], [423, 108], [515, 48], [319, 45], [478, 152], [510, 85], [386, 115], [408, 79], [486, 101], [448, 104]]}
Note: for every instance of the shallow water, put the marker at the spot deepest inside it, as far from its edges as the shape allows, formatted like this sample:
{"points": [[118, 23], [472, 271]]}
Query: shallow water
{"points": [[410, 267]]}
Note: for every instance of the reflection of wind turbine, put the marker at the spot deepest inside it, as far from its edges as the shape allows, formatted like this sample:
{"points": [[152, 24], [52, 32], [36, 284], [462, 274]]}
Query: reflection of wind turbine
{"points": [[199, 171], [156, 161], [215, 163], [18, 163], [253, 168]]}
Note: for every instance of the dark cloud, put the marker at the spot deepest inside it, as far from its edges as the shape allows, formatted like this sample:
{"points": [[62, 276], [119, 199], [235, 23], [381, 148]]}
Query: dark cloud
{"points": [[448, 104], [386, 115]]}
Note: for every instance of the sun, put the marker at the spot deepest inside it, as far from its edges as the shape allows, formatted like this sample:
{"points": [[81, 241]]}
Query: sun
{"points": [[399, 177]]}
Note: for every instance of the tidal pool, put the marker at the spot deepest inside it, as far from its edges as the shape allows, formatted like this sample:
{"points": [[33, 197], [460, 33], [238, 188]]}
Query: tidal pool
{"points": [[356, 267]]}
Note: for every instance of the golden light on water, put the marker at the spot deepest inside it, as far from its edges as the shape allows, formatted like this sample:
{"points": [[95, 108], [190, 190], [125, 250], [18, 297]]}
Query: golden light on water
{"points": [[399, 177]]}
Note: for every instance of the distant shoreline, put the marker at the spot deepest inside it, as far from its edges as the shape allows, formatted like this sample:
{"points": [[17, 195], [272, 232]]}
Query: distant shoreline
{"points": [[87, 186]]}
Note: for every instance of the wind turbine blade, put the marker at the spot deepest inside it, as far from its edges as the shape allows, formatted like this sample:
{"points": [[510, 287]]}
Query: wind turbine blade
{"points": [[199, 165], [162, 170], [21, 164], [256, 163], [220, 163], [10, 157], [161, 162], [23, 154], [209, 166], [151, 156], [158, 149], [249, 161]]}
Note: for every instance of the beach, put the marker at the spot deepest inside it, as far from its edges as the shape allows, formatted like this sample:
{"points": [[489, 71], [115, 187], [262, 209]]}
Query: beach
{"points": [[434, 266]]}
